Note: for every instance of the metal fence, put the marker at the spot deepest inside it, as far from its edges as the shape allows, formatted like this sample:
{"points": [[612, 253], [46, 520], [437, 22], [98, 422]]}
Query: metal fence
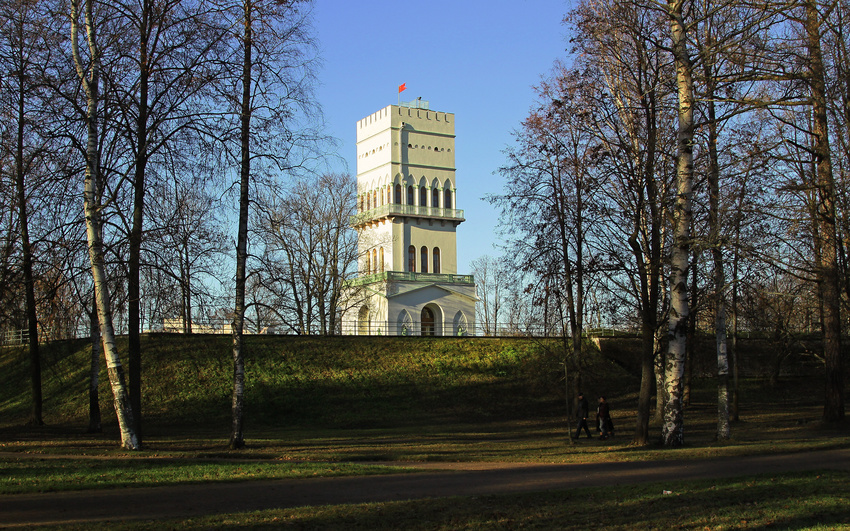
{"points": [[20, 337], [448, 329], [11, 338]]}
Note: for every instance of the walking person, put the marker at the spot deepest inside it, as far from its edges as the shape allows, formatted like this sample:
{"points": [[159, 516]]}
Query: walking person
{"points": [[581, 412], [603, 418]]}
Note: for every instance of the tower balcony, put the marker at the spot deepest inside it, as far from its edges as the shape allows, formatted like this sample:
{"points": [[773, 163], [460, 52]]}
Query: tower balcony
{"points": [[411, 211], [406, 276]]}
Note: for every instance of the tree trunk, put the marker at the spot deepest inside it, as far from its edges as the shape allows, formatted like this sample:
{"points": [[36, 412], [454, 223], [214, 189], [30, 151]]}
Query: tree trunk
{"points": [[673, 430], [237, 439], [647, 381], [94, 230], [659, 362], [723, 427], [36, 417], [94, 373], [134, 360], [734, 410], [827, 268]]}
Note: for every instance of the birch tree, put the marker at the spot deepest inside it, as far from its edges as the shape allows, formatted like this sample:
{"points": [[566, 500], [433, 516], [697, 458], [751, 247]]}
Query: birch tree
{"points": [[673, 429], [88, 73]]}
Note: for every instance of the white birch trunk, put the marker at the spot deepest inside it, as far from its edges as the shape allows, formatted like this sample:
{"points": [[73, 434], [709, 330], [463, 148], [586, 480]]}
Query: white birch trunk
{"points": [[91, 204], [673, 427]]}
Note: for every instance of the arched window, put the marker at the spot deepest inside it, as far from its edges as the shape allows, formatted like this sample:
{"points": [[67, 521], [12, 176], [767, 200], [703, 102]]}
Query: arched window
{"points": [[436, 256], [427, 322], [424, 259], [398, 194], [375, 199], [448, 200], [423, 196], [368, 201], [361, 204], [368, 263], [410, 200], [374, 260], [435, 198], [411, 259], [382, 259]]}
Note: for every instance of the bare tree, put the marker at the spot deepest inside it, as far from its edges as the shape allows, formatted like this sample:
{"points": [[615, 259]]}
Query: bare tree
{"points": [[185, 246], [173, 45], [619, 40], [88, 73], [268, 90], [25, 50], [490, 285], [310, 251], [826, 239]]}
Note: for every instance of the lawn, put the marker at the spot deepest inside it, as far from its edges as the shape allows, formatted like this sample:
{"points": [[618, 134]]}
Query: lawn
{"points": [[354, 408]]}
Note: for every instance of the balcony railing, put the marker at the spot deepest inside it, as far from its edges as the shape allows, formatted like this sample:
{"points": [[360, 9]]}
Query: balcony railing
{"points": [[415, 104], [406, 276], [395, 209]]}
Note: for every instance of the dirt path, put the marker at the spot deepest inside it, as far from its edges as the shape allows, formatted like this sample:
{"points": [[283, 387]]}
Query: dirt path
{"points": [[441, 479]]}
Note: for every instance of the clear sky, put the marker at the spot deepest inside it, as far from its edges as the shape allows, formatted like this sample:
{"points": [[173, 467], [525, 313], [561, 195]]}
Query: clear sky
{"points": [[477, 59]]}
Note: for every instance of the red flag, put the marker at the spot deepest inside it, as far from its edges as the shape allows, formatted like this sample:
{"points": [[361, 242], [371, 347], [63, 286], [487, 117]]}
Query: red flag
{"points": [[402, 87]]}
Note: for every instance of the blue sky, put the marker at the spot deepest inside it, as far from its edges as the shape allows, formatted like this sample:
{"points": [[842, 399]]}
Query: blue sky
{"points": [[474, 58]]}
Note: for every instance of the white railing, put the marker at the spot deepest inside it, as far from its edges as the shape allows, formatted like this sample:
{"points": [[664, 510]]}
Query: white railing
{"points": [[12, 338], [396, 209]]}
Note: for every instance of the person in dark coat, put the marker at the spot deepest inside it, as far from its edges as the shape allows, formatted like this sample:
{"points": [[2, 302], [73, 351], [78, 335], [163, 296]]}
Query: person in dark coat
{"points": [[582, 411], [603, 418]]}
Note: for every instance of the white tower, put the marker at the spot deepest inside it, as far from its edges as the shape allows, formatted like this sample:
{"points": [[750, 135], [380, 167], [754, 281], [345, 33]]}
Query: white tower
{"points": [[406, 222]]}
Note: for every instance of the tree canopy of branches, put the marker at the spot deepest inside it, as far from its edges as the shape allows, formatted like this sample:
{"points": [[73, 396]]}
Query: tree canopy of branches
{"points": [[689, 126]]}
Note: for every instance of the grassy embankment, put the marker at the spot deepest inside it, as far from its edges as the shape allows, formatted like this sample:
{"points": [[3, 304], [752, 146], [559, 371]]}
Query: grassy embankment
{"points": [[337, 402]]}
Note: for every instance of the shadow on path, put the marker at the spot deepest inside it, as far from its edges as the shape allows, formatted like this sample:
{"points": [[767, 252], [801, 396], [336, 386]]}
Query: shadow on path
{"points": [[442, 479]]}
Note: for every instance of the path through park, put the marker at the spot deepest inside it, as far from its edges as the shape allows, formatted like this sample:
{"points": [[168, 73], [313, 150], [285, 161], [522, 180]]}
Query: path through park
{"points": [[438, 480]]}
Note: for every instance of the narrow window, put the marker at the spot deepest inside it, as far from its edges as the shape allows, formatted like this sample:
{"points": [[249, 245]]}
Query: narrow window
{"points": [[448, 201], [436, 260], [427, 323], [382, 259], [435, 198], [410, 200], [411, 259], [424, 259], [398, 194], [374, 260], [375, 199], [368, 263], [423, 196]]}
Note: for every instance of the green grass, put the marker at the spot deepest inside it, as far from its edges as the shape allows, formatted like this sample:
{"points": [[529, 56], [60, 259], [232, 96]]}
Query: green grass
{"points": [[319, 382], [337, 406], [29, 475], [815, 500]]}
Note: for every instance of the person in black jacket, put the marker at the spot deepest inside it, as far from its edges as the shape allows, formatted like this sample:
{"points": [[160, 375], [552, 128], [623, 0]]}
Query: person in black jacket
{"points": [[603, 418], [582, 412]]}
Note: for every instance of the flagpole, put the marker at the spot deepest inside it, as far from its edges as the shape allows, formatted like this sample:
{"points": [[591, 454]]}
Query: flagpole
{"points": [[401, 88]]}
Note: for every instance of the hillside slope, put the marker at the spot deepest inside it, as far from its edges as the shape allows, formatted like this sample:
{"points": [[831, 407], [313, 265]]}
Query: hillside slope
{"points": [[315, 381]]}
